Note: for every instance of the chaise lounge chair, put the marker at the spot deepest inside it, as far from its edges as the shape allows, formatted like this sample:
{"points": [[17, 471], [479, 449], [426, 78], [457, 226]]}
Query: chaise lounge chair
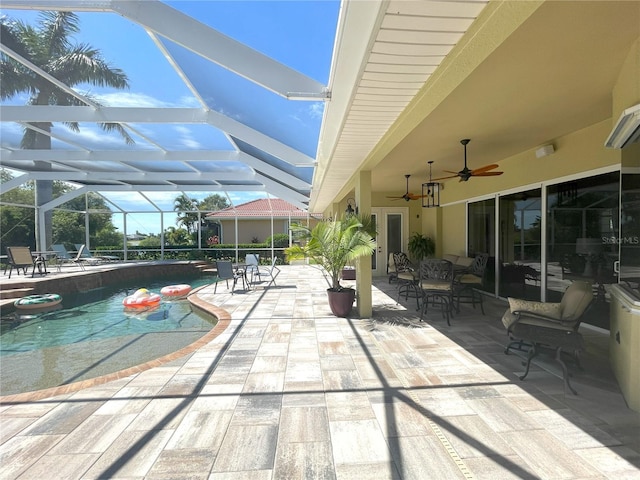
{"points": [[89, 258], [63, 256]]}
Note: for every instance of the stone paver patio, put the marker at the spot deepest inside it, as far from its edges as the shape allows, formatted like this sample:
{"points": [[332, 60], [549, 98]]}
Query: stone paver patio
{"points": [[288, 391]]}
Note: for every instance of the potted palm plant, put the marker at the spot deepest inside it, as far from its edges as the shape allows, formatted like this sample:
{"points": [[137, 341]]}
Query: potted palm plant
{"points": [[332, 245]]}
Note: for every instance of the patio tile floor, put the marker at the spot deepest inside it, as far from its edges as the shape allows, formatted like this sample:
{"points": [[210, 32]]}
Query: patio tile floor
{"points": [[289, 391]]}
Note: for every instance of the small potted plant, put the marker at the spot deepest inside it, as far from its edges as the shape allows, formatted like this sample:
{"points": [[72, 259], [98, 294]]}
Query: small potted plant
{"points": [[332, 245]]}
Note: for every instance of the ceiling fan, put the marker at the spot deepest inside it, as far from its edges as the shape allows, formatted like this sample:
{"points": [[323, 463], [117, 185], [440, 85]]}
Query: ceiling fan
{"points": [[466, 173], [407, 196]]}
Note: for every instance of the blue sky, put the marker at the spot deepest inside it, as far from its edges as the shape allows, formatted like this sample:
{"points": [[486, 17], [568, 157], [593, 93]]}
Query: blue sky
{"points": [[299, 34]]}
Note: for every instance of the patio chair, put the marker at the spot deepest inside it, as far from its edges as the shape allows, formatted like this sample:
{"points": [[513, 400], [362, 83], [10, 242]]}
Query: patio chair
{"points": [[252, 262], [63, 256], [391, 268], [535, 325], [227, 272], [92, 260], [436, 285], [467, 281], [407, 278], [270, 272], [21, 258]]}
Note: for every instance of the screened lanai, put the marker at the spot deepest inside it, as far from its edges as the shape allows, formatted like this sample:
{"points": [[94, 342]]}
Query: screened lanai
{"points": [[222, 98]]}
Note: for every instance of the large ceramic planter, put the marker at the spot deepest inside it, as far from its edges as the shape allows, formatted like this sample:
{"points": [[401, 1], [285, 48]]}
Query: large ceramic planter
{"points": [[341, 302]]}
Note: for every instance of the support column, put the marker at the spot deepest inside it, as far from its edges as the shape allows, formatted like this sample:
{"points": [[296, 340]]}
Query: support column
{"points": [[364, 282]]}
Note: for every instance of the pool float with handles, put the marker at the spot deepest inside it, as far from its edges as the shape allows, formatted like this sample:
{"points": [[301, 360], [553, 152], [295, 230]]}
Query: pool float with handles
{"points": [[32, 302], [175, 290], [142, 298]]}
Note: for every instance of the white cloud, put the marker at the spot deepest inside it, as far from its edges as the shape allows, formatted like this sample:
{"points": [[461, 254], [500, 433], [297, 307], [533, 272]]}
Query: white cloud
{"points": [[186, 137], [316, 109], [128, 99], [131, 99]]}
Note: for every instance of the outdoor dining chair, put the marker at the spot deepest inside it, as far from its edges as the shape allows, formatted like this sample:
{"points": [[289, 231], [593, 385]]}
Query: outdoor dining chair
{"points": [[467, 283], [252, 262], [227, 272], [270, 272], [407, 278], [436, 284]]}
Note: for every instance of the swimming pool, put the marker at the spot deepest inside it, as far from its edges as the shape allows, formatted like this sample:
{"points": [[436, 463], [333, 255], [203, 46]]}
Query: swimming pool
{"points": [[93, 335]]}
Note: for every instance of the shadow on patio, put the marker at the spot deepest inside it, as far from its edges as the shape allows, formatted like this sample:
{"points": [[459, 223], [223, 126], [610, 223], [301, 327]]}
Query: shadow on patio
{"points": [[289, 391]]}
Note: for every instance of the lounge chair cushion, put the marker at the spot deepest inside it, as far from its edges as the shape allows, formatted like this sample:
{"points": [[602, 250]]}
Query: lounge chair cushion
{"points": [[553, 310], [469, 278]]}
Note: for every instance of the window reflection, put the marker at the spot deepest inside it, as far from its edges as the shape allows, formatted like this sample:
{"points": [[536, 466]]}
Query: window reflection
{"points": [[582, 218]]}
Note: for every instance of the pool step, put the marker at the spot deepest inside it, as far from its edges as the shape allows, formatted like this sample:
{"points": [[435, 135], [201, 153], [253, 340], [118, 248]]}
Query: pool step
{"points": [[13, 293], [209, 268]]}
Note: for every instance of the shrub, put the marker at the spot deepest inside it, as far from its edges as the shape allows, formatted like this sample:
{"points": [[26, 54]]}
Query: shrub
{"points": [[280, 240]]}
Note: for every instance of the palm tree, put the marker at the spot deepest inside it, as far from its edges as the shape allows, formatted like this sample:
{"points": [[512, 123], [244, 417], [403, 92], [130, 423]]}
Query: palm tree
{"points": [[186, 217], [48, 46], [333, 244]]}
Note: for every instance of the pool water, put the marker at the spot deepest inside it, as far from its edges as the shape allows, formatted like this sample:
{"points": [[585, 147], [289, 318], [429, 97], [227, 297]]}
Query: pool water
{"points": [[92, 335]]}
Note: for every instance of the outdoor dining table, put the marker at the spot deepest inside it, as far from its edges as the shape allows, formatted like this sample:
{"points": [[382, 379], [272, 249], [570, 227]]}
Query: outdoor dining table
{"points": [[41, 258], [242, 269]]}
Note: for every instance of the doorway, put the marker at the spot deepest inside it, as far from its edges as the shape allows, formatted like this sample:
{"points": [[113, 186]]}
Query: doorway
{"points": [[392, 225]]}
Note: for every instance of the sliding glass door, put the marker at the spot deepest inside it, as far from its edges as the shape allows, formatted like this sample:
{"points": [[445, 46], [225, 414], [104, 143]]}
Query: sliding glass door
{"points": [[481, 227], [520, 244]]}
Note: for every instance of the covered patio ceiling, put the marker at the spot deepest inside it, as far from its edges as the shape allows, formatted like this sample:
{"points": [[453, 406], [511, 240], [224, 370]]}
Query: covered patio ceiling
{"points": [[253, 122], [518, 77]]}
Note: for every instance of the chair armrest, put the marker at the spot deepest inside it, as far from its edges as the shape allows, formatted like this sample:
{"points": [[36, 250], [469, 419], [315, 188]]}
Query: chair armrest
{"points": [[522, 314]]}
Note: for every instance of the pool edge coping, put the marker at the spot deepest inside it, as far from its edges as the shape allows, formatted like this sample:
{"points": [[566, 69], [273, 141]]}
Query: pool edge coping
{"points": [[223, 320]]}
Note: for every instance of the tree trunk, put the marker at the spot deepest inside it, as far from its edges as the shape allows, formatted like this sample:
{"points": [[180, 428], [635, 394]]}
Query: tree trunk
{"points": [[43, 190]]}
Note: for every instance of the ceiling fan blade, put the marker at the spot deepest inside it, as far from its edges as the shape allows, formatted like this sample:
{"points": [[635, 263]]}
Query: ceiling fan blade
{"points": [[485, 168], [487, 174], [414, 196], [445, 178], [396, 198]]}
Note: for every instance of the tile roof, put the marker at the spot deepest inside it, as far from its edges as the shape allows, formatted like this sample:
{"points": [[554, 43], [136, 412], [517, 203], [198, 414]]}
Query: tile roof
{"points": [[261, 208]]}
